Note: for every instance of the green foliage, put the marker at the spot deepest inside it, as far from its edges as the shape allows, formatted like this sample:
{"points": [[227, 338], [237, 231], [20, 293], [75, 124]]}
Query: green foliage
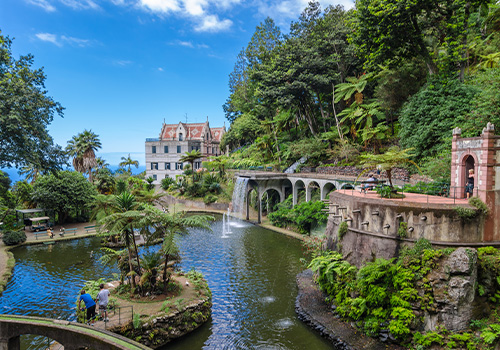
{"points": [[479, 204], [209, 198], [438, 167], [66, 192], [435, 188], [136, 321], [13, 237], [309, 213], [25, 113], [491, 333], [343, 227], [403, 229], [466, 214], [428, 339], [427, 120], [166, 183]]}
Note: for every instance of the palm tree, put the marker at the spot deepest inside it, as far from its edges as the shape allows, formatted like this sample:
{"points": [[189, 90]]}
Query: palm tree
{"points": [[31, 171], [219, 163], [128, 162], [82, 148], [156, 224], [124, 219], [191, 157]]}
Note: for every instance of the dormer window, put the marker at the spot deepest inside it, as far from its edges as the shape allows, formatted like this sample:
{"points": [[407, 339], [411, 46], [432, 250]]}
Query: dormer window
{"points": [[180, 136]]}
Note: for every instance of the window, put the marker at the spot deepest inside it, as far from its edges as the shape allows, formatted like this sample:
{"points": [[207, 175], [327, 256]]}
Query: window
{"points": [[180, 136], [153, 149], [197, 165], [155, 177], [166, 176], [154, 166], [178, 166], [178, 149], [165, 149], [167, 166]]}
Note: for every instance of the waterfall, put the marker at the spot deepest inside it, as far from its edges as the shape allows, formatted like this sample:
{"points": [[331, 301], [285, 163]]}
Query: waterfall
{"points": [[239, 194]]}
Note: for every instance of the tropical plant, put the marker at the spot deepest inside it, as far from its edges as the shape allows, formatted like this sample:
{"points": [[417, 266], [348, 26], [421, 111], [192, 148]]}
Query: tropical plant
{"points": [[82, 148], [128, 162], [191, 157], [387, 161]]}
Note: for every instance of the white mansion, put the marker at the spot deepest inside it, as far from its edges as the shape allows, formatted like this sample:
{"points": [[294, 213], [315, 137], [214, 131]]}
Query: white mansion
{"points": [[163, 154]]}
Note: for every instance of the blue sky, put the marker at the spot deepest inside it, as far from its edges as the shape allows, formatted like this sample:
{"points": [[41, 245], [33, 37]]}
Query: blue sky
{"points": [[121, 67]]}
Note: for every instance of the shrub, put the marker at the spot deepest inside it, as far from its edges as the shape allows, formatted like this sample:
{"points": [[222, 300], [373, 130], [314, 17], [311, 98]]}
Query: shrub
{"points": [[479, 204], [309, 213], [342, 229], [14, 237], [209, 198], [166, 183]]}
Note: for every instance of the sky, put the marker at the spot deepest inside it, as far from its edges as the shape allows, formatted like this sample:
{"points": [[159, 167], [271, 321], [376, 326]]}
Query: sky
{"points": [[120, 68]]}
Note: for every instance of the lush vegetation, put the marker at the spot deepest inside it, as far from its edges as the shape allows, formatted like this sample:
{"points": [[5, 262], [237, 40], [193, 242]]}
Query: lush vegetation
{"points": [[385, 297], [344, 83]]}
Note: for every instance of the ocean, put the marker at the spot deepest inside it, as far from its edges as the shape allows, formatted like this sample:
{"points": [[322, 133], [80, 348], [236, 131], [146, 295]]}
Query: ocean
{"points": [[14, 173]]}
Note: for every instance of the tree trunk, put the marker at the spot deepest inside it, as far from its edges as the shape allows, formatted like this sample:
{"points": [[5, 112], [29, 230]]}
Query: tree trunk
{"points": [[165, 282]]}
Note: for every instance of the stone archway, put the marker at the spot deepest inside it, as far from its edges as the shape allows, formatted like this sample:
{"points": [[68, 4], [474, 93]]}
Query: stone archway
{"points": [[299, 187], [313, 190], [326, 189], [270, 198]]}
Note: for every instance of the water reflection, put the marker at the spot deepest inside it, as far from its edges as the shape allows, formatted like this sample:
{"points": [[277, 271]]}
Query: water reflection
{"points": [[251, 273]]}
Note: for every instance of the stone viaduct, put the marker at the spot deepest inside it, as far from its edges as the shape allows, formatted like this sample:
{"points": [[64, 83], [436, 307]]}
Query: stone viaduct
{"points": [[71, 335], [286, 184]]}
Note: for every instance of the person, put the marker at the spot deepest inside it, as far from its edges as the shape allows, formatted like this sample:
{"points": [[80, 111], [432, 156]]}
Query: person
{"points": [[50, 233], [469, 187], [369, 184], [102, 299], [89, 305]]}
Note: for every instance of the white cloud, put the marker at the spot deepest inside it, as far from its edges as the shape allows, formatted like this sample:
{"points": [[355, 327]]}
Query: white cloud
{"points": [[195, 7], [185, 43], [285, 10], [61, 40], [122, 63], [211, 23], [80, 4], [161, 6], [76, 41], [160, 69], [51, 38], [47, 6]]}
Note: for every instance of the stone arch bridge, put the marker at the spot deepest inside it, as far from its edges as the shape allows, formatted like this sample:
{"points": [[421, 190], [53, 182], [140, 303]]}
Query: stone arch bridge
{"points": [[72, 335], [285, 184]]}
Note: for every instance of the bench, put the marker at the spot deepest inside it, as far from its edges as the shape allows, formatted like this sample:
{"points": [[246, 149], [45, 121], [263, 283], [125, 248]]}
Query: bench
{"points": [[369, 185], [40, 233], [67, 230], [90, 228]]}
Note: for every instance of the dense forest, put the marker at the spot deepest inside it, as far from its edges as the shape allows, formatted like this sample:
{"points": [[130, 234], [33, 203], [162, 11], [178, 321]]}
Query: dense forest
{"points": [[341, 84]]}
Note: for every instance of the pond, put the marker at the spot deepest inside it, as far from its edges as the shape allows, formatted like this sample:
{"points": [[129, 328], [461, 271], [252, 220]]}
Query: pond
{"points": [[250, 271]]}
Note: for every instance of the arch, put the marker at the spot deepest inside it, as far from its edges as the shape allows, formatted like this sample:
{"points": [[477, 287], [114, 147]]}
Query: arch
{"points": [[298, 186], [347, 186], [181, 136], [467, 161], [270, 198], [326, 189], [312, 189]]}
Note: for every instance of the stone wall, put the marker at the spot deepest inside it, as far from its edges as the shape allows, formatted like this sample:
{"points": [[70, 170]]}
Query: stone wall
{"points": [[171, 200], [162, 329], [373, 226]]}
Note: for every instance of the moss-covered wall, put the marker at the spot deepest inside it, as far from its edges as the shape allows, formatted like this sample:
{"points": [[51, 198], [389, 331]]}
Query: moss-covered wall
{"points": [[374, 226], [163, 328]]}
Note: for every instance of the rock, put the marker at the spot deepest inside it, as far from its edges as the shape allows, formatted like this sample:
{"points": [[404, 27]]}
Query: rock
{"points": [[462, 261]]}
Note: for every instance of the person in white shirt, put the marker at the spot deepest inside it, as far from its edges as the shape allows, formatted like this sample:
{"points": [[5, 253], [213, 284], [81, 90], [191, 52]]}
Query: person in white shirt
{"points": [[102, 299]]}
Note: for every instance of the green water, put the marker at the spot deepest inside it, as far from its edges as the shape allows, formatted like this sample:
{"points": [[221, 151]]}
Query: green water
{"points": [[250, 270]]}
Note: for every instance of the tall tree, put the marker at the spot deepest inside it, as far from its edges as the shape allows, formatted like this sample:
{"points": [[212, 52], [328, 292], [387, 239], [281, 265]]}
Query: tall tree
{"points": [[128, 162], [82, 148], [388, 32], [25, 112]]}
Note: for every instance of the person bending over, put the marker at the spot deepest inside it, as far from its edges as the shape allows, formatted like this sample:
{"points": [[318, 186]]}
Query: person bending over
{"points": [[89, 305]]}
